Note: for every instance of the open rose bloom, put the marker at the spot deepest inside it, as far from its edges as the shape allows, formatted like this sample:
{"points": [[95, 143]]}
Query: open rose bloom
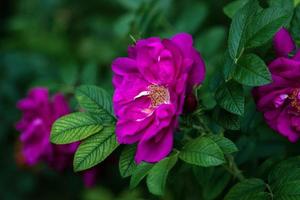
{"points": [[150, 89], [39, 113], [280, 100]]}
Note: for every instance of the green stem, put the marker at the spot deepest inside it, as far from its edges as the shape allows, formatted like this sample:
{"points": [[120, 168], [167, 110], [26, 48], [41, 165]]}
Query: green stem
{"points": [[232, 168], [270, 191]]}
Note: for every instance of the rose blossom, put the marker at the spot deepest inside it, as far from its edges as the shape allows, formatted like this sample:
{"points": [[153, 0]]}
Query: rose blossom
{"points": [[280, 100], [39, 113], [150, 88]]}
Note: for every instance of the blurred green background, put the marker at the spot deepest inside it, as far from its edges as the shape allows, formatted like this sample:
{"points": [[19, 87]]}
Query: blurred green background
{"points": [[64, 43]]}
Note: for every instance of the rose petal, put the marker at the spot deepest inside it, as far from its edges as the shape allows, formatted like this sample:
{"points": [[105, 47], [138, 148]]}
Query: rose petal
{"points": [[283, 43]]}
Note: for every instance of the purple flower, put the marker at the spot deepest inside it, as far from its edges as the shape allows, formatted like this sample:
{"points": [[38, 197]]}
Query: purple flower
{"points": [[39, 113], [150, 89], [280, 100]]}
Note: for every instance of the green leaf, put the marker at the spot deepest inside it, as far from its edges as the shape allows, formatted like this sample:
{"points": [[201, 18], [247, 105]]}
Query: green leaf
{"points": [[250, 189], [94, 99], [283, 4], [213, 181], [264, 169], [211, 41], [95, 149], [191, 17], [139, 173], [247, 147], [252, 71], [284, 179], [295, 28], [74, 127], [202, 151], [238, 29], [251, 118], [230, 97], [231, 8], [281, 169], [229, 66], [157, 177], [226, 119], [225, 144], [288, 191], [264, 25], [127, 164]]}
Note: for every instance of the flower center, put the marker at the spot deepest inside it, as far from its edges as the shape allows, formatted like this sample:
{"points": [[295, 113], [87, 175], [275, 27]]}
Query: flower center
{"points": [[295, 99], [158, 95]]}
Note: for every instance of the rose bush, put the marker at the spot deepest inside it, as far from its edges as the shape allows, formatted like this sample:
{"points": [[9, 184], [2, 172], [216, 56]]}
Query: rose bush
{"points": [[190, 126]]}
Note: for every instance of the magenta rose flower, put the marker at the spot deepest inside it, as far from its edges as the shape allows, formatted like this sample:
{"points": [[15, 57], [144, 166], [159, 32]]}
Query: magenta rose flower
{"points": [[39, 113], [150, 89], [280, 100]]}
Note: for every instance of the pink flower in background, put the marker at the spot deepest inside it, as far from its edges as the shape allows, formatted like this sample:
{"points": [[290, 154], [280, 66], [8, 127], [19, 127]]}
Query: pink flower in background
{"points": [[280, 100], [150, 89], [39, 113]]}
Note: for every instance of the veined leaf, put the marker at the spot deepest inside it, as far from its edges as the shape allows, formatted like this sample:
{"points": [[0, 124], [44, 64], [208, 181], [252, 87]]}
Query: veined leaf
{"points": [[226, 119], [252, 71], [95, 149], [127, 164], [230, 97], [239, 27], [224, 143], [94, 99], [265, 24], [283, 4], [284, 179], [253, 189], [157, 177], [213, 180], [202, 151], [231, 8], [74, 127], [229, 66], [139, 173], [288, 191], [295, 28]]}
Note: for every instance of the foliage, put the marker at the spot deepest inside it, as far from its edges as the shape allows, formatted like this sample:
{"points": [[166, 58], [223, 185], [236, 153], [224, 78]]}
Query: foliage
{"points": [[223, 150]]}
